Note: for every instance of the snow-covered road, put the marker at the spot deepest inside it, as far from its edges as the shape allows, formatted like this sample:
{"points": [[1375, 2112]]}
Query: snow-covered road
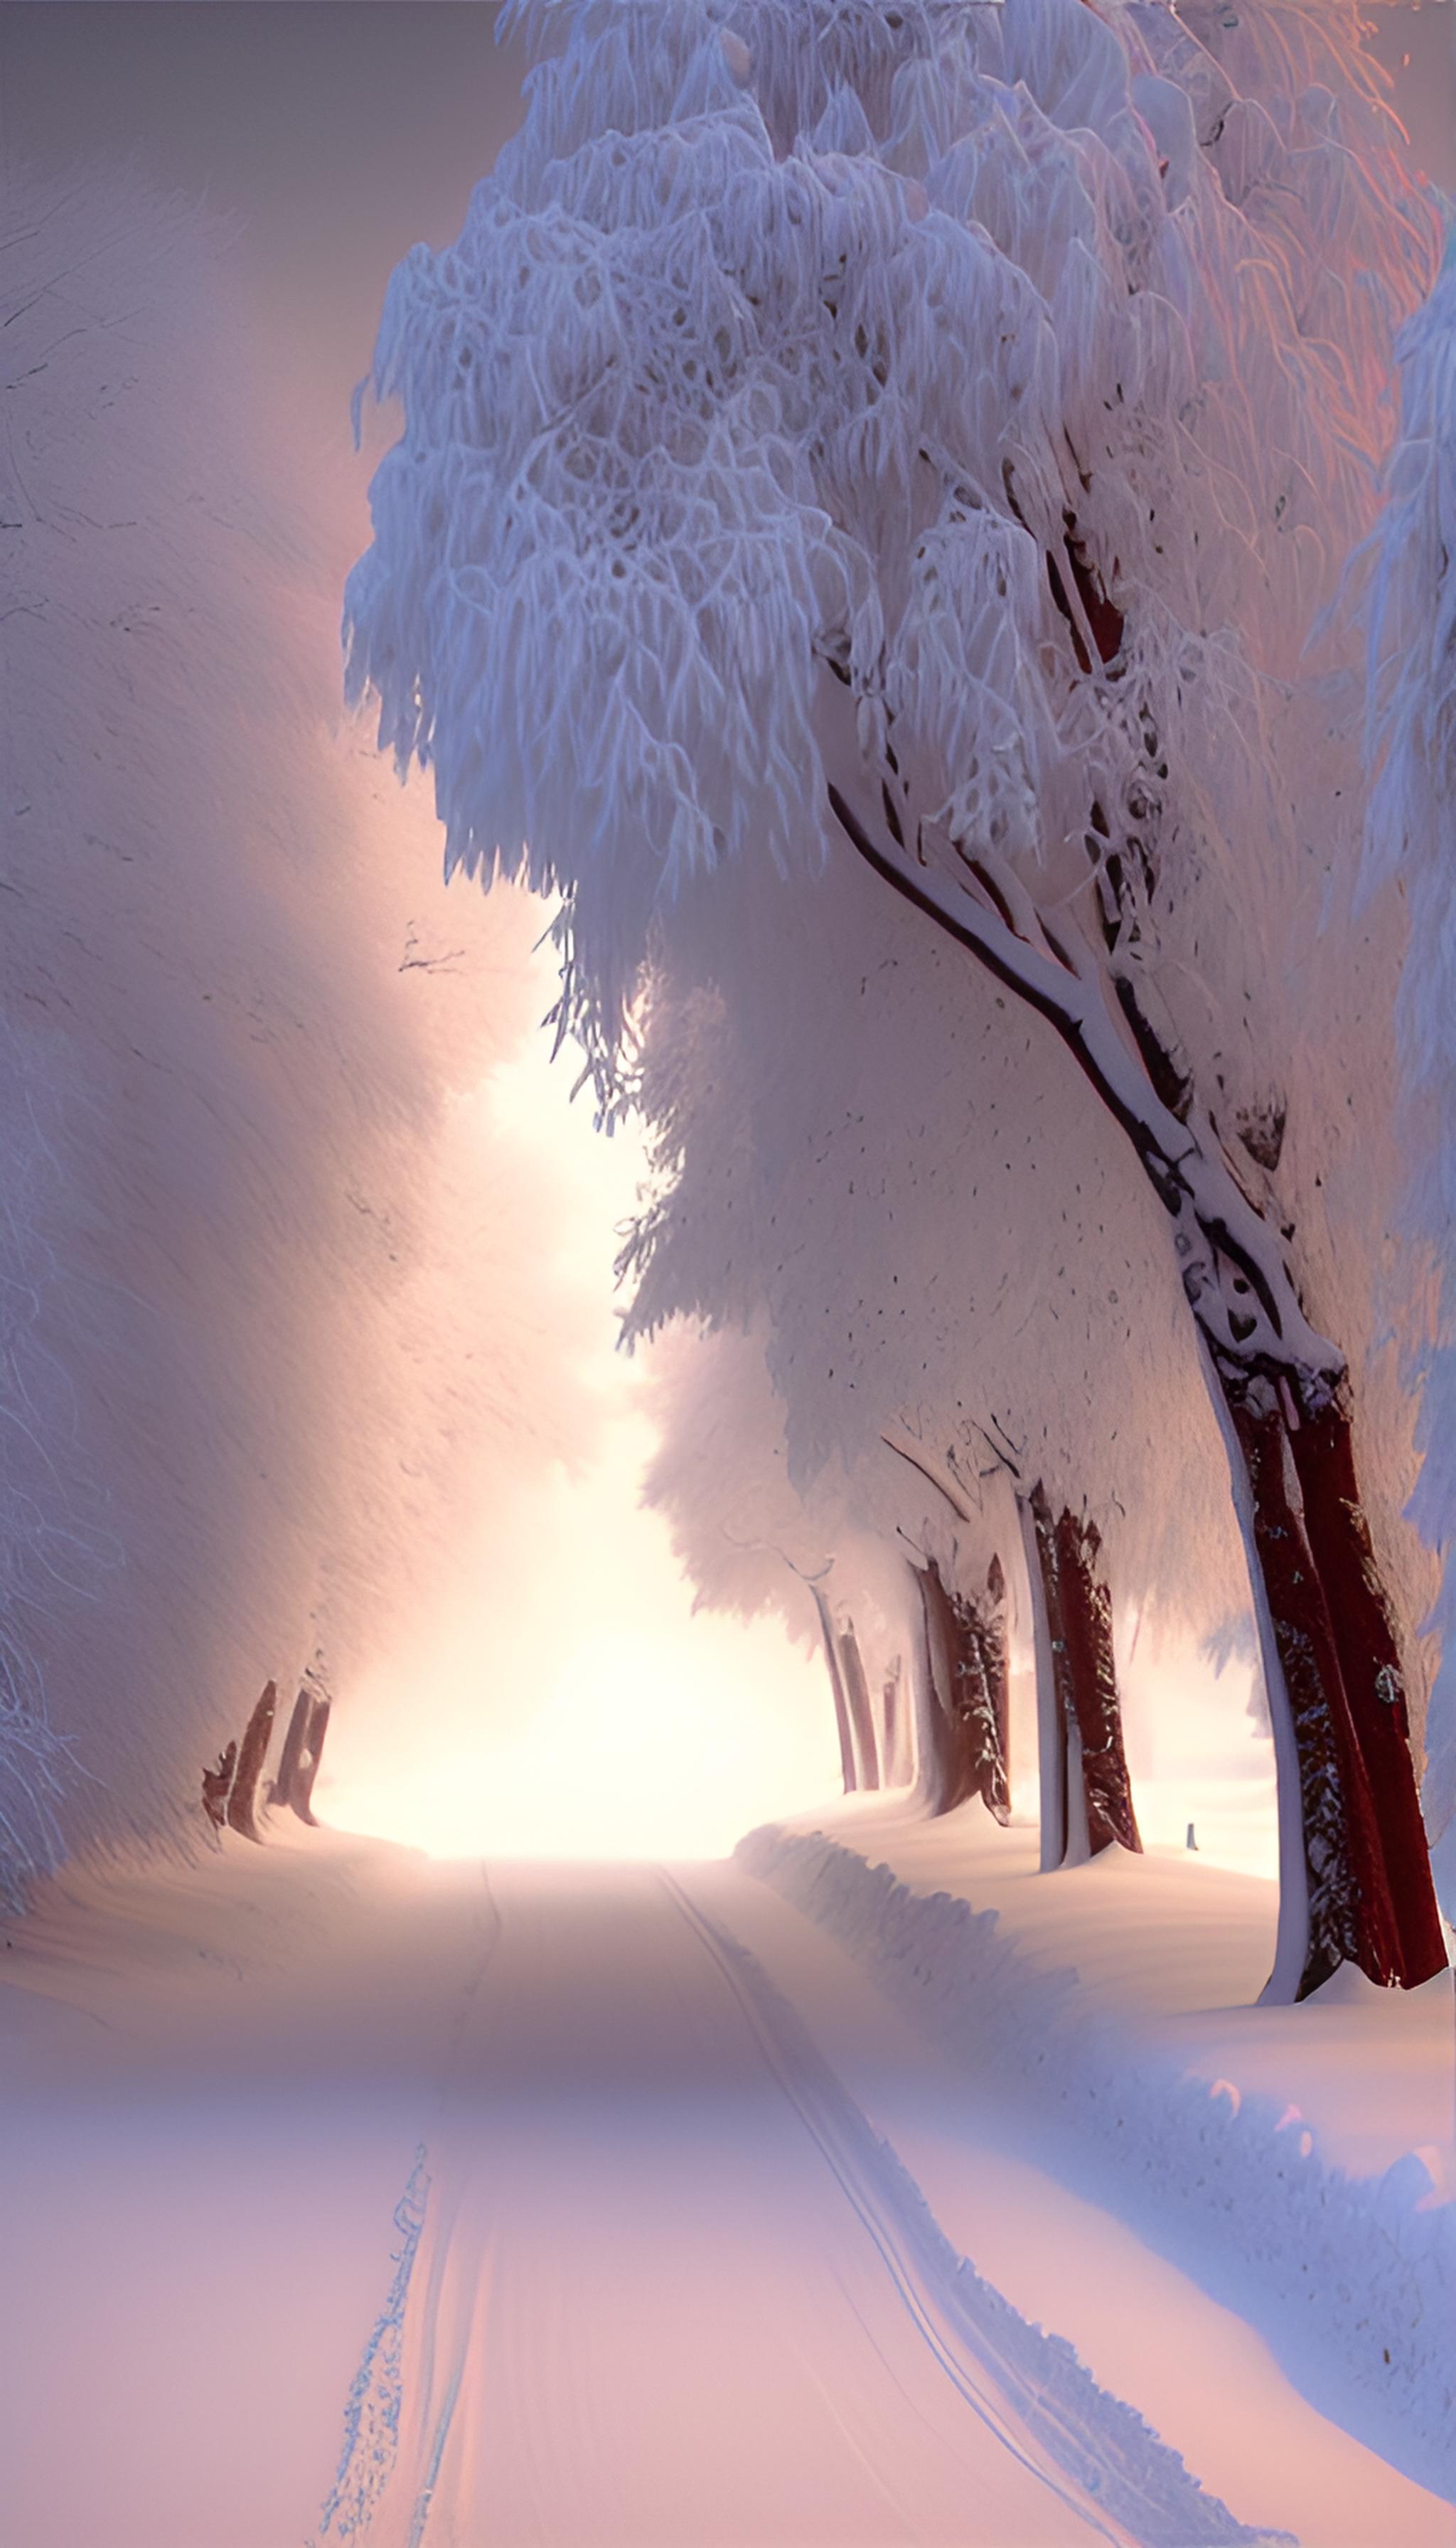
{"points": [[655, 2278], [670, 2288]]}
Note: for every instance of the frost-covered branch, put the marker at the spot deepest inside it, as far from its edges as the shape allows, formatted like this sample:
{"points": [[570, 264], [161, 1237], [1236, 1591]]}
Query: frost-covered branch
{"points": [[837, 420], [1236, 1280], [906, 1448]]}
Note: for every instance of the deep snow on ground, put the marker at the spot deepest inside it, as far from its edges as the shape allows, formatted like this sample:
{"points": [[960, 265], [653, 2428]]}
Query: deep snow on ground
{"points": [[1297, 2163], [661, 2274]]}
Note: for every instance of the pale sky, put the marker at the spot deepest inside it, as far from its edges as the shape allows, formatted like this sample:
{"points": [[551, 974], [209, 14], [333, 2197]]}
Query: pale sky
{"points": [[637, 1729]]}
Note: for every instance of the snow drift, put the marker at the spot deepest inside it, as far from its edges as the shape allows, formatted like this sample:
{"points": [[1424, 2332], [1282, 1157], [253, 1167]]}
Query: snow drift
{"points": [[1349, 2281]]}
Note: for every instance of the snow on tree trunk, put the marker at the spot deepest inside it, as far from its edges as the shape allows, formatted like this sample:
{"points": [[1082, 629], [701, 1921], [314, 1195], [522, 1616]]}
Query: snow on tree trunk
{"points": [[994, 1693], [1339, 1537], [301, 1794], [861, 1714], [1051, 1737], [253, 1751], [935, 1777], [217, 1785], [280, 1792], [1261, 1352], [848, 1771], [1087, 1796], [965, 1645], [1368, 1893], [899, 1768], [1292, 1940], [297, 1765], [1086, 1609]]}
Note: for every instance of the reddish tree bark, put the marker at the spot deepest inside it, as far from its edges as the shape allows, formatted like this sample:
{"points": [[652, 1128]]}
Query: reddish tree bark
{"points": [[1368, 1887], [967, 1649], [216, 1784], [940, 1771], [1366, 1858], [1370, 1667], [242, 1802], [1052, 1721], [1086, 1609], [1084, 1675], [980, 1701]]}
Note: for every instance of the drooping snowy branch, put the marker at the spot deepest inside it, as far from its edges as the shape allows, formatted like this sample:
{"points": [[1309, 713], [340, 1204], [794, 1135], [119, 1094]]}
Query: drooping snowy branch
{"points": [[783, 334], [1238, 1285], [942, 428], [1411, 833]]}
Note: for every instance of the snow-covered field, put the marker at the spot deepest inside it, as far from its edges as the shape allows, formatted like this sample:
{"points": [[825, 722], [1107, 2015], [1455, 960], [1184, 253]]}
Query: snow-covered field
{"points": [[352, 2195]]}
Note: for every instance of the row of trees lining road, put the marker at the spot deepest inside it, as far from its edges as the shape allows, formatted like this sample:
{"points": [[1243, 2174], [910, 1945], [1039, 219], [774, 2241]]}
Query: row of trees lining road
{"points": [[870, 531], [244, 1225]]}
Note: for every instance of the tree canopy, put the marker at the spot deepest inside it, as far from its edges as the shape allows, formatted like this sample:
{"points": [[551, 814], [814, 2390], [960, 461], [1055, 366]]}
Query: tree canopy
{"points": [[936, 437]]}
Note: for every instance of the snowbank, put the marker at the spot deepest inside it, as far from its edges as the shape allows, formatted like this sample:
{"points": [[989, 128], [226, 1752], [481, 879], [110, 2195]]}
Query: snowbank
{"points": [[1350, 2279]]}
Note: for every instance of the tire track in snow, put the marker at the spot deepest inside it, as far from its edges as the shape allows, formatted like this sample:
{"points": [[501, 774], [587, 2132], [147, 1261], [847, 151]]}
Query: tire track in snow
{"points": [[1092, 2454], [1125, 2483], [372, 2415]]}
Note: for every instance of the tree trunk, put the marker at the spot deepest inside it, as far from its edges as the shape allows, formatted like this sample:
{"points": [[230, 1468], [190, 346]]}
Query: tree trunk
{"points": [[894, 1729], [981, 1694], [216, 1784], [967, 1650], [1367, 1895], [837, 1686], [301, 1794], [1355, 1880], [281, 1790], [862, 1718], [241, 1804], [1051, 1745], [1087, 1796], [936, 1765], [1086, 1609], [1370, 1665]]}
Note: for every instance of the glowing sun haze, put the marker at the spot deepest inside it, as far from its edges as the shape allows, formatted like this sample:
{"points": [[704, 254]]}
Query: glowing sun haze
{"points": [[544, 1688], [566, 1701]]}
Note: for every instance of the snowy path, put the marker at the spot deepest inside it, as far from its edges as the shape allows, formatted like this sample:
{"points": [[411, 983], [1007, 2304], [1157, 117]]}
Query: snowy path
{"points": [[672, 2291], [668, 2286]]}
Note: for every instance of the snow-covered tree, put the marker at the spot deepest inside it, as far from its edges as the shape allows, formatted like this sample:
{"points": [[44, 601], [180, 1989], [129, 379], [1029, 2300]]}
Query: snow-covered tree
{"points": [[977, 1291], [1411, 616], [927, 435], [846, 1553], [245, 1225]]}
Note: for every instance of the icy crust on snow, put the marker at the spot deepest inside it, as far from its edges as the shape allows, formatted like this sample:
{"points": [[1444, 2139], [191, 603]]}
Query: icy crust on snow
{"points": [[1103, 2445], [1353, 2283]]}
